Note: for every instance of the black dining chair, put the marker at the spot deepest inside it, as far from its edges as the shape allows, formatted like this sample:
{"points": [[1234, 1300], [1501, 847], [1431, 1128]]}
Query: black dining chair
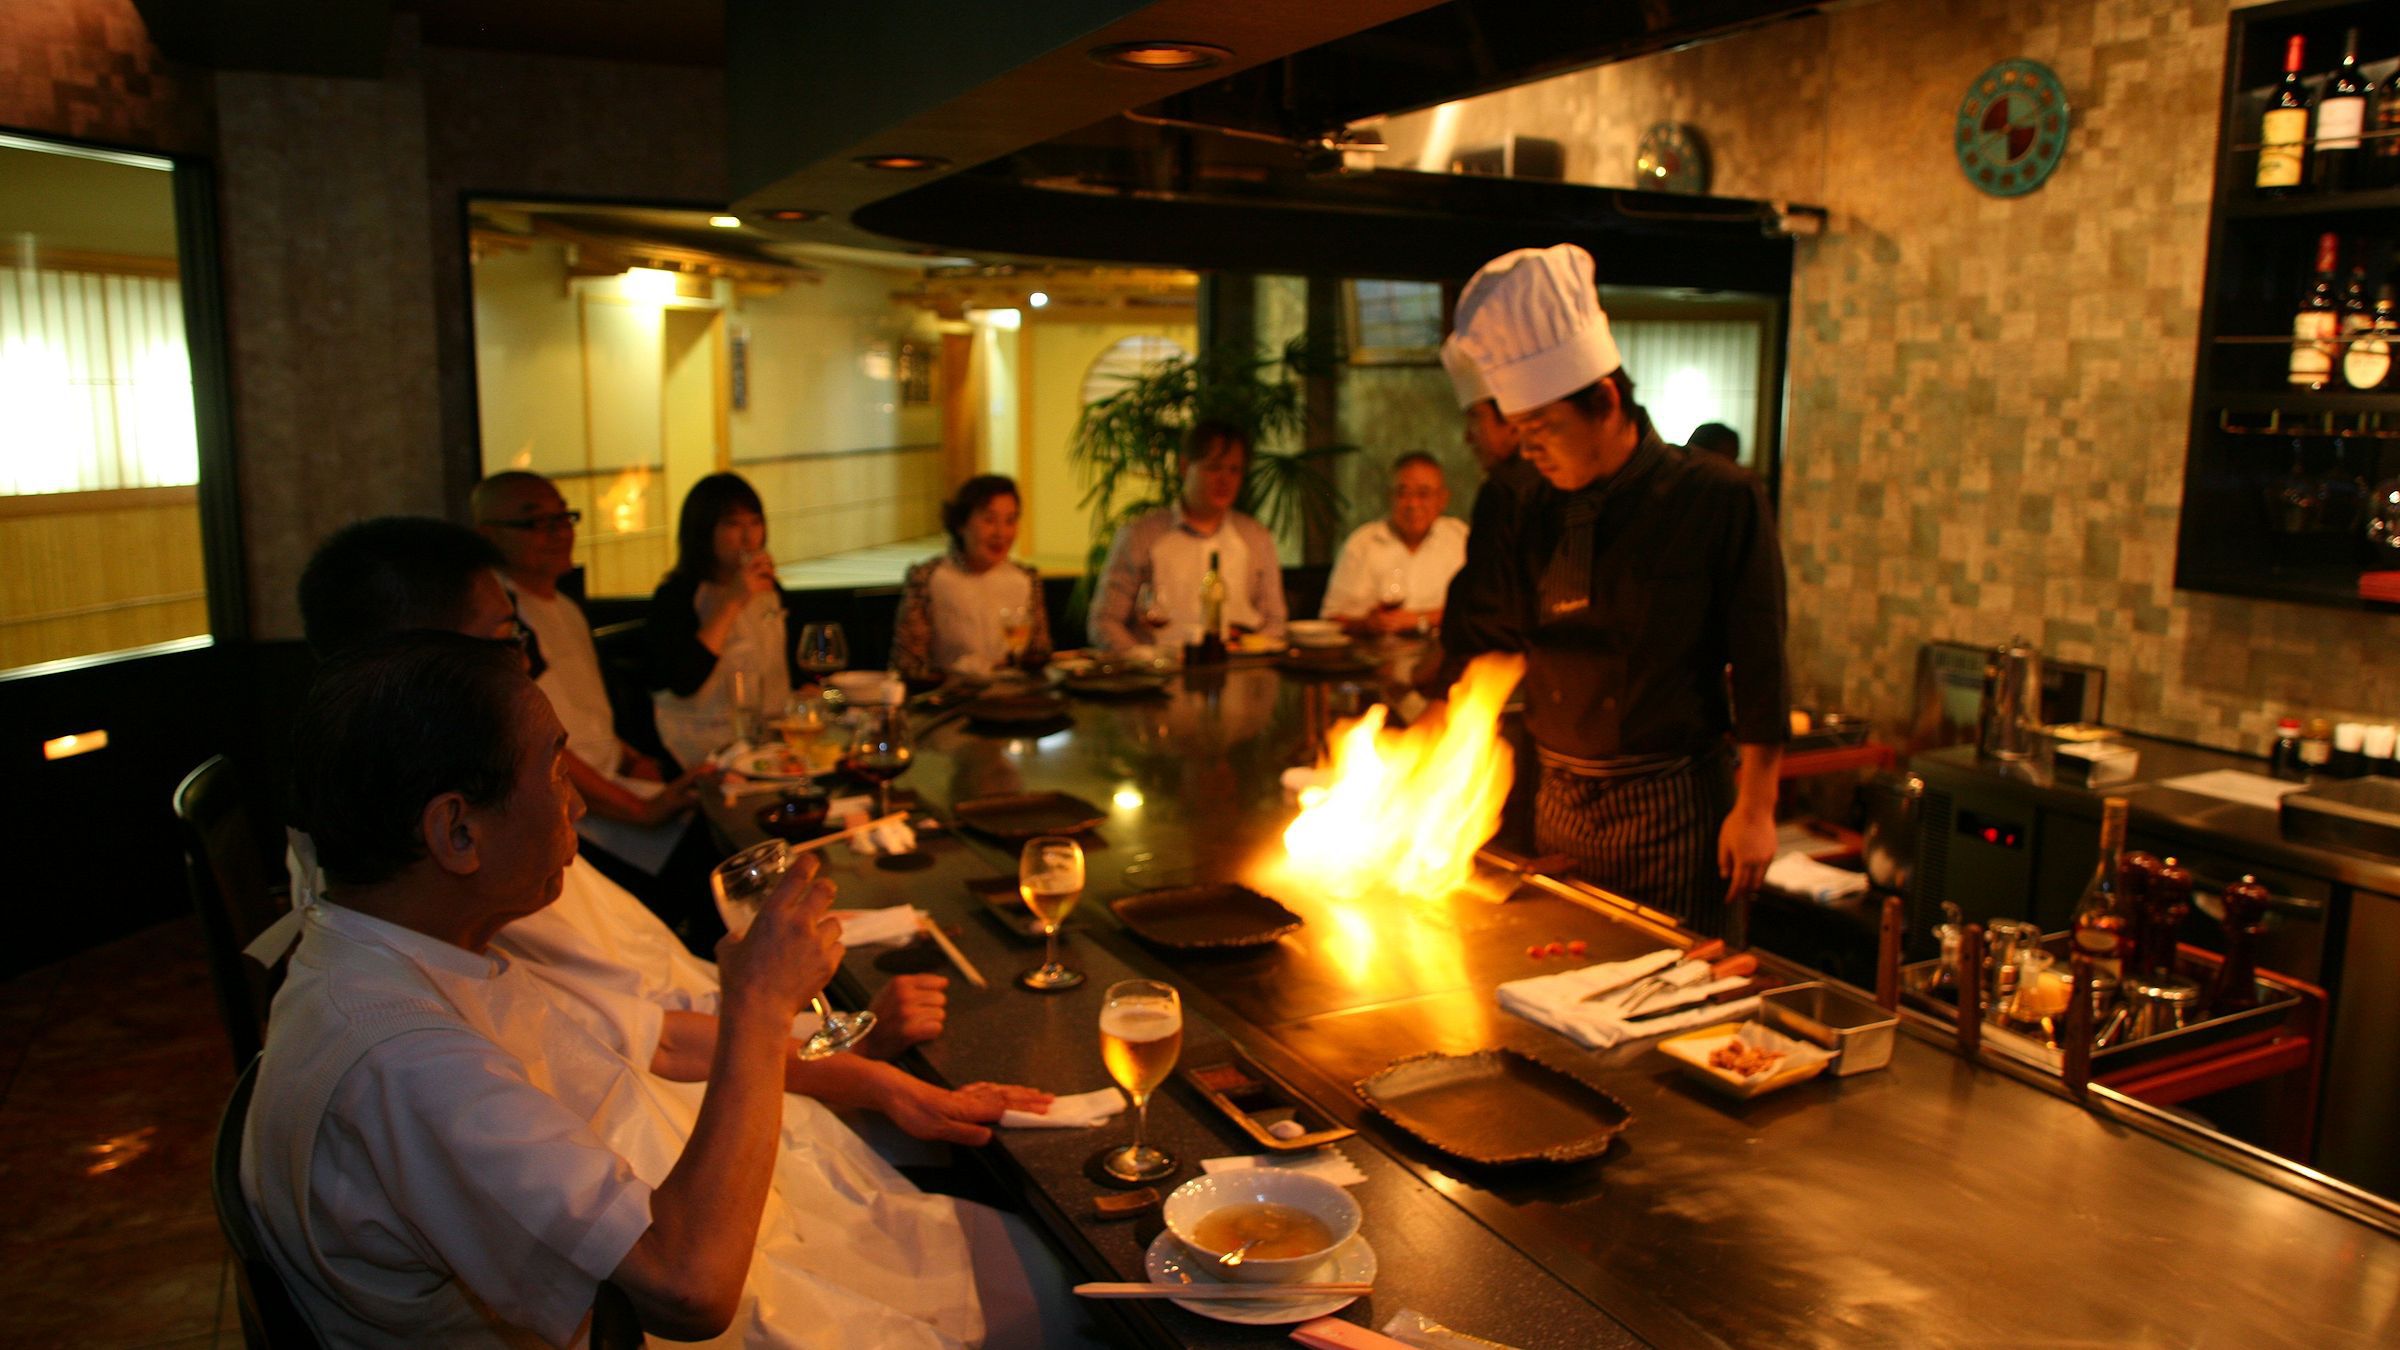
{"points": [[238, 893], [270, 1320]]}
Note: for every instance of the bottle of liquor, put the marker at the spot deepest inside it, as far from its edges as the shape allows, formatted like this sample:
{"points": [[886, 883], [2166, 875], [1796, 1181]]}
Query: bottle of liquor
{"points": [[1210, 649], [2283, 130], [2383, 148], [2316, 324], [2367, 361], [2341, 116], [2104, 921]]}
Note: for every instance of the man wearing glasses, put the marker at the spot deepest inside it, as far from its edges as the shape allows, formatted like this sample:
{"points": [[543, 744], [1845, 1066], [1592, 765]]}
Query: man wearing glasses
{"points": [[635, 812]]}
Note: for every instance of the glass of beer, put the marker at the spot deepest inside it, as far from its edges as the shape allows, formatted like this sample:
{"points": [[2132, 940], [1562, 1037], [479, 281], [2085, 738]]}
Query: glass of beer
{"points": [[1016, 630], [1141, 1033], [1050, 878], [741, 884]]}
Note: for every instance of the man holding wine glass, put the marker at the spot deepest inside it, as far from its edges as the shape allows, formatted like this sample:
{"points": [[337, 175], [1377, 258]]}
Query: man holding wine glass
{"points": [[440, 1151], [1393, 575]]}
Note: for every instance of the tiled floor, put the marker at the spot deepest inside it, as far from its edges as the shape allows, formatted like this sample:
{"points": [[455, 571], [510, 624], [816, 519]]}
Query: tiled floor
{"points": [[113, 1069]]}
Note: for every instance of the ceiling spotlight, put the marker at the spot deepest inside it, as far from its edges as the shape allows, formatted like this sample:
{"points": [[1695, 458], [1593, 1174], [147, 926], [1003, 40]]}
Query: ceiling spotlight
{"points": [[904, 163], [790, 213], [1038, 299], [1160, 55], [726, 222]]}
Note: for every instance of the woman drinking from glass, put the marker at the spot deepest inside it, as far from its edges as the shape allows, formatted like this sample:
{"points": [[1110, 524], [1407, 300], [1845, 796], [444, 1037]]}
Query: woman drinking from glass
{"points": [[972, 611], [718, 652]]}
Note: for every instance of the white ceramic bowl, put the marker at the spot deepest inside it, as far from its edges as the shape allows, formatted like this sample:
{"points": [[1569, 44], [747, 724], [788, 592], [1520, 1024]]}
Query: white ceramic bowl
{"points": [[1316, 633], [1197, 1198]]}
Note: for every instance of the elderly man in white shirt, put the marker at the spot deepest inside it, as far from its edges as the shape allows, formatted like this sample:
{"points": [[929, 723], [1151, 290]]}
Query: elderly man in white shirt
{"points": [[1169, 550], [1394, 574], [442, 1151]]}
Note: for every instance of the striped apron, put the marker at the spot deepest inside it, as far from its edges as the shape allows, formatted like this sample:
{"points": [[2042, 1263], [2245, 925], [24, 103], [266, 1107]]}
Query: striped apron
{"points": [[1644, 828]]}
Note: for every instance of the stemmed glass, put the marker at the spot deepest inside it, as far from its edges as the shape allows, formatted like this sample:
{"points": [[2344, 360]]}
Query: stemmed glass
{"points": [[1050, 878], [1016, 629], [823, 650], [1394, 591], [880, 750], [1141, 1033], [1147, 608], [741, 884]]}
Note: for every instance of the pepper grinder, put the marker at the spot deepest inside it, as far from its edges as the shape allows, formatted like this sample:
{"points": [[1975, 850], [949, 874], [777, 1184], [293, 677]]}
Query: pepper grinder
{"points": [[2168, 903], [2245, 922]]}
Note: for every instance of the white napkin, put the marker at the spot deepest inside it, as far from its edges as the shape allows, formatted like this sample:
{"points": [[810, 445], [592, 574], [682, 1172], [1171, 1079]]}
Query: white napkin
{"points": [[1327, 1164], [1080, 1111], [1821, 882], [891, 837], [879, 927], [1559, 1001]]}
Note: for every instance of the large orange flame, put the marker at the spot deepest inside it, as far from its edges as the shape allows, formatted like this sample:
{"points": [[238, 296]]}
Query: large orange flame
{"points": [[1406, 809]]}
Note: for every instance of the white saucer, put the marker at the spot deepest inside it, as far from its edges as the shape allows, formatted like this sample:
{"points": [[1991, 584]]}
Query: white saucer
{"points": [[1170, 1262]]}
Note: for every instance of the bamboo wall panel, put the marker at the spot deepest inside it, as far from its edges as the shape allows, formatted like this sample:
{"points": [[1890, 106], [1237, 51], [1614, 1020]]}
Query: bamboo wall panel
{"points": [[80, 582]]}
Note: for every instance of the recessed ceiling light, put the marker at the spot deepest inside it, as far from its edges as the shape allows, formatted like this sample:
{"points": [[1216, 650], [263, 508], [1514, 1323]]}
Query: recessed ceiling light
{"points": [[904, 163], [788, 213], [1160, 55], [726, 222], [1037, 299]]}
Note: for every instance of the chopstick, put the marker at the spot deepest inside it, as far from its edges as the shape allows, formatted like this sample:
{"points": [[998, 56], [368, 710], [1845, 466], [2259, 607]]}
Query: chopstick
{"points": [[1218, 1291], [851, 833], [950, 949]]}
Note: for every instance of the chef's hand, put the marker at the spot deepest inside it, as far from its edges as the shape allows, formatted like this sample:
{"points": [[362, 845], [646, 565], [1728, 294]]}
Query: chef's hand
{"points": [[1745, 845]]}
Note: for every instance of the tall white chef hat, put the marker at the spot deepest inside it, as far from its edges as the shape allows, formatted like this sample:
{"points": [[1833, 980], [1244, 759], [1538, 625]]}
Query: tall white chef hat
{"points": [[1532, 324], [1464, 378]]}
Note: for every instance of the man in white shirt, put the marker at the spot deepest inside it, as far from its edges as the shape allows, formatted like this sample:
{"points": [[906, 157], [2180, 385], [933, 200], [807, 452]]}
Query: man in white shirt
{"points": [[1169, 550], [442, 1151], [634, 811], [1393, 574]]}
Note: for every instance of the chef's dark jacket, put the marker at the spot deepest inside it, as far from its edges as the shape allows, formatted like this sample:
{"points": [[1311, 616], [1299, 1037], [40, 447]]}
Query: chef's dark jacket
{"points": [[1627, 656]]}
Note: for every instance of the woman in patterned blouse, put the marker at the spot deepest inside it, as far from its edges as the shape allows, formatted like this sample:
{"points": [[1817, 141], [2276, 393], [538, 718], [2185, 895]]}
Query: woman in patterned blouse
{"points": [[972, 611]]}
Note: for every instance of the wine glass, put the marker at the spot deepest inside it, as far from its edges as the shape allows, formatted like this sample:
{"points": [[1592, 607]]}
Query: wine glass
{"points": [[823, 649], [1393, 593], [1050, 878], [1141, 1033], [880, 750], [1016, 629], [1148, 608], [741, 884]]}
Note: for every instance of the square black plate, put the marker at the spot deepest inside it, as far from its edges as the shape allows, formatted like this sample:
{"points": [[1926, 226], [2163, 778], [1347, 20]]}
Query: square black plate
{"points": [[1005, 907], [1201, 918], [1496, 1107], [1027, 814]]}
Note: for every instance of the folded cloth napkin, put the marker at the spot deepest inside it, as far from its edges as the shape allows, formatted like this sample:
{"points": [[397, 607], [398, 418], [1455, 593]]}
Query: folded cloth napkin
{"points": [[1564, 1002], [1821, 882], [879, 927], [1327, 1163], [1080, 1111]]}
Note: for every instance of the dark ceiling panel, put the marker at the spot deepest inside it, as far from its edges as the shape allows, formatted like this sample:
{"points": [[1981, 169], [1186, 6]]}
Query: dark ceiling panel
{"points": [[293, 37]]}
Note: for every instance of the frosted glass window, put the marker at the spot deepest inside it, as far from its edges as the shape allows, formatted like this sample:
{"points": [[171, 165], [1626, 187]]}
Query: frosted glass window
{"points": [[1690, 371]]}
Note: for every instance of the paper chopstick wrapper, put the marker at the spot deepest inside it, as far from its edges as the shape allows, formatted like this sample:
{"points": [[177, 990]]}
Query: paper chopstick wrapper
{"points": [[1325, 1164], [878, 927]]}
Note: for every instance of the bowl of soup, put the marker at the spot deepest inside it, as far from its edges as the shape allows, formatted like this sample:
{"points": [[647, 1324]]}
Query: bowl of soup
{"points": [[1297, 1220]]}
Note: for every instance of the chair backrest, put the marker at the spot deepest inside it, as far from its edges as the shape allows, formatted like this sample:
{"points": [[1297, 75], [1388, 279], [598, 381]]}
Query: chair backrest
{"points": [[270, 1320], [236, 893]]}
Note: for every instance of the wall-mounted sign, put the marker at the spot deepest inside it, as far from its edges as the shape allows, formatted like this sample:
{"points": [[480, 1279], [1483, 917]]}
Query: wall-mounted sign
{"points": [[2012, 128]]}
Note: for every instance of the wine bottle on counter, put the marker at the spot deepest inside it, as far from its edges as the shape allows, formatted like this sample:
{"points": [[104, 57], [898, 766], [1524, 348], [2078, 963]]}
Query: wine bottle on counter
{"points": [[2317, 323], [2383, 149], [2283, 129], [2104, 923], [2341, 116]]}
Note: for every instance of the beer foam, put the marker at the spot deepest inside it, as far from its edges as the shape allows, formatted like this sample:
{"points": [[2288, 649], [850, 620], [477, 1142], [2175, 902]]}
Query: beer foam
{"points": [[1141, 1021]]}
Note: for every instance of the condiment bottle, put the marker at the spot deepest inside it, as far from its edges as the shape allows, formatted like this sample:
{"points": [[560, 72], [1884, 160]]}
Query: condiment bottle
{"points": [[2349, 750], [2316, 747], [2134, 876], [2236, 986], [2375, 749], [2283, 761], [2164, 909]]}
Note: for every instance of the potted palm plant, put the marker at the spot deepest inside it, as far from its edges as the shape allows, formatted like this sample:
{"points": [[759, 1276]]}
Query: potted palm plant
{"points": [[1128, 445]]}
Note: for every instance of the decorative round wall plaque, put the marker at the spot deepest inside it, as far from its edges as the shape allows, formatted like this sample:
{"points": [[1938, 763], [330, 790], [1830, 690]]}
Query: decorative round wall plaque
{"points": [[2012, 128], [1671, 158]]}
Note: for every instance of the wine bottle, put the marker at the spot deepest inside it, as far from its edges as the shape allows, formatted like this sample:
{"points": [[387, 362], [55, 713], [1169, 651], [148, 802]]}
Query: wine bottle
{"points": [[2383, 149], [2283, 128], [2104, 921], [2355, 318], [1212, 599], [2367, 361], [2341, 116], [2316, 323]]}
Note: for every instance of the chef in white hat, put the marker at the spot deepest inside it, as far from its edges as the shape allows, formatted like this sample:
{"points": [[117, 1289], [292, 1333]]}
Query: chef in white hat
{"points": [[1641, 577], [1508, 484]]}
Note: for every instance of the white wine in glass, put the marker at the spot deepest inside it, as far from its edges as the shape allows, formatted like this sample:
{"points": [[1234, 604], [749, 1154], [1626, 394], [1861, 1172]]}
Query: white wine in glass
{"points": [[741, 884], [1050, 879], [1141, 1034]]}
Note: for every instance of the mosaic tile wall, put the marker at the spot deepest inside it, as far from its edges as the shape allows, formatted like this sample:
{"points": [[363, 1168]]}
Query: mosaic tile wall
{"points": [[1988, 397], [87, 69]]}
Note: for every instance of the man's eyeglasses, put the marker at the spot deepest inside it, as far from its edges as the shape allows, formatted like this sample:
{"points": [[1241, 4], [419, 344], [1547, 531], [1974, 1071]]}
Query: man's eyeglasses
{"points": [[555, 520]]}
